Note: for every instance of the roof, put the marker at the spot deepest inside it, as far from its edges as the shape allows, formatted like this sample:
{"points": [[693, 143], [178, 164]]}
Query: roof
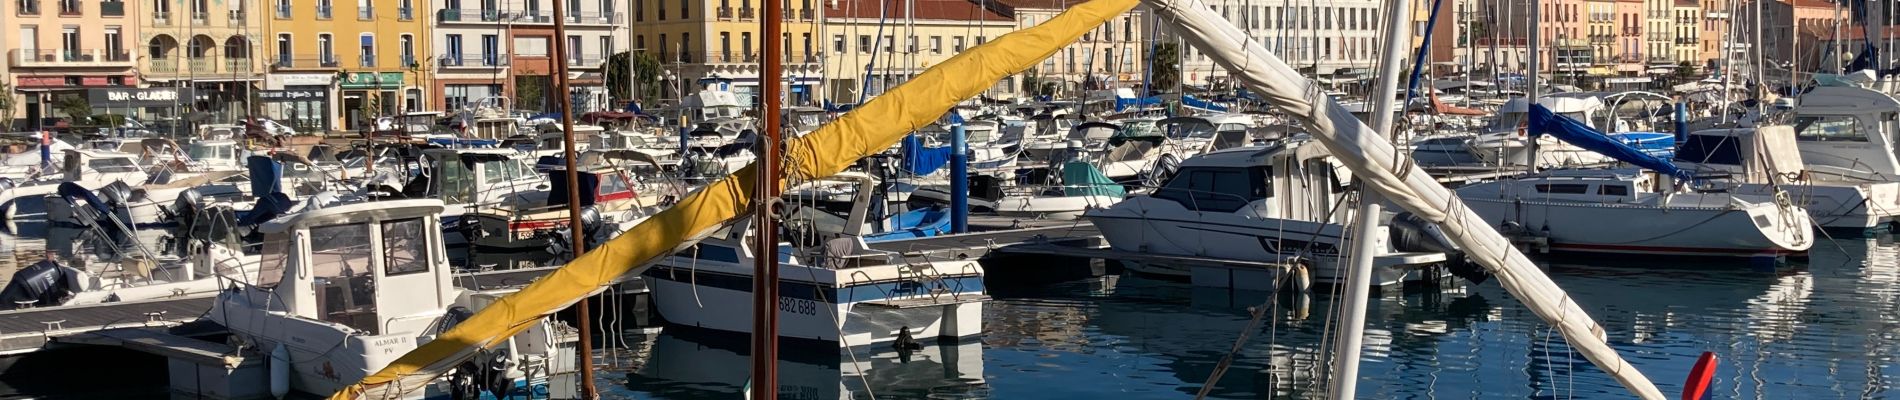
{"points": [[1808, 3], [1040, 4], [1688, 3], [355, 213], [954, 10]]}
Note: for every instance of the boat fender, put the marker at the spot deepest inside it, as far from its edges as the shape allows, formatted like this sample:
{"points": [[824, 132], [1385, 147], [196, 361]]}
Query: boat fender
{"points": [[279, 371], [1302, 277]]}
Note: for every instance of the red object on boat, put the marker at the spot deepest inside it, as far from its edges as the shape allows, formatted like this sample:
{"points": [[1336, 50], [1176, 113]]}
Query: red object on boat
{"points": [[1697, 387]]}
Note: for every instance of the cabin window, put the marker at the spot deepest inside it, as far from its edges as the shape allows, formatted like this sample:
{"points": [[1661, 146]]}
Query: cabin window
{"points": [[272, 262], [405, 247], [1563, 188], [456, 182], [1708, 149], [112, 164], [346, 288], [494, 172], [1613, 190], [613, 183], [1829, 128], [1215, 189]]}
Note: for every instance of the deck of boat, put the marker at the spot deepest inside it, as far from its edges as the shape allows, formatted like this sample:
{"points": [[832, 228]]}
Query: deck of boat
{"points": [[29, 329], [991, 233]]}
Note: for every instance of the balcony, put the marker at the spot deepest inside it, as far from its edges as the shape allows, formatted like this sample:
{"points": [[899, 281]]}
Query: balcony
{"points": [[366, 61], [200, 66], [283, 11], [162, 18], [306, 61], [530, 17], [366, 14], [1716, 15], [24, 58], [241, 65], [723, 13], [323, 11], [161, 65], [71, 8], [584, 60], [747, 13], [405, 13], [589, 18], [237, 17], [201, 19], [112, 8], [1687, 41], [805, 14], [476, 60], [26, 7]]}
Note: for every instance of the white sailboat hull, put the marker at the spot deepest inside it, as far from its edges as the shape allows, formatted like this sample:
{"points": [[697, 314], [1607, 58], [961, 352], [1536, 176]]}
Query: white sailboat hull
{"points": [[1717, 230], [813, 305], [1051, 207], [1146, 225]]}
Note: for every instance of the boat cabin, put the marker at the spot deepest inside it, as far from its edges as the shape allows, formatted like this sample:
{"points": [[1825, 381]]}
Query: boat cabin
{"points": [[1594, 186], [375, 267], [215, 154], [474, 176], [1848, 131], [1515, 113], [1293, 179], [81, 165]]}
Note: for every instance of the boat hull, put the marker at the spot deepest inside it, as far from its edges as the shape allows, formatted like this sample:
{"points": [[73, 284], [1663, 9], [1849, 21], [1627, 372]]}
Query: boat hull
{"points": [[1717, 231], [1145, 225], [712, 294], [1051, 207]]}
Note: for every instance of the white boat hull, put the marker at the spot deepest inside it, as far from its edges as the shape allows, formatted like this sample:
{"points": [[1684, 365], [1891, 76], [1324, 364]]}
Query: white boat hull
{"points": [[717, 295], [1051, 207], [1146, 225], [1718, 230]]}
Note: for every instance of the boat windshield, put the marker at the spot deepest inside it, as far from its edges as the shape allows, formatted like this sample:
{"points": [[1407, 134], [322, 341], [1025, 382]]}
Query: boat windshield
{"points": [[210, 152], [1190, 131], [1139, 128], [112, 164], [1217, 189]]}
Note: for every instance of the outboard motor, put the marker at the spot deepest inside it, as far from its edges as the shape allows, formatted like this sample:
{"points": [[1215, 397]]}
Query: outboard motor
{"points": [[1414, 234], [45, 283], [594, 228]]}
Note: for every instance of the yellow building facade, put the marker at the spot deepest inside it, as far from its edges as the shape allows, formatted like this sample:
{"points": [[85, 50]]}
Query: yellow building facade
{"points": [[863, 60], [698, 42], [336, 65]]}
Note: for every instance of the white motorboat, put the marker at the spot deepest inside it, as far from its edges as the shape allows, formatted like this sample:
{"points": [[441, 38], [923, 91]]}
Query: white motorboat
{"points": [[1262, 204], [1569, 208], [89, 169], [343, 291], [1083, 187], [837, 290]]}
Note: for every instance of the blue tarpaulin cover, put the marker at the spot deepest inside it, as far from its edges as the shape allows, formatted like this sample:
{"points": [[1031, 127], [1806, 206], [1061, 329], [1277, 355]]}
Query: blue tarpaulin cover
{"points": [[1543, 121], [922, 160]]}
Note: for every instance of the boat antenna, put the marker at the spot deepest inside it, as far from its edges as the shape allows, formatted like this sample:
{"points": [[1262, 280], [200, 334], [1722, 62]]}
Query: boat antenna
{"points": [[765, 266], [574, 226]]}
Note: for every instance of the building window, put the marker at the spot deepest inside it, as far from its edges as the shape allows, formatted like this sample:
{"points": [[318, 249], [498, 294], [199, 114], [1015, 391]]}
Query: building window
{"points": [[366, 50], [956, 44], [936, 45], [325, 54], [837, 44], [408, 51], [452, 44], [864, 44]]}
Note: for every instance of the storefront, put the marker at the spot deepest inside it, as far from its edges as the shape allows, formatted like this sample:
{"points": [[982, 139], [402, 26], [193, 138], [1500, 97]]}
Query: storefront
{"points": [[324, 118], [367, 95], [306, 110], [147, 103]]}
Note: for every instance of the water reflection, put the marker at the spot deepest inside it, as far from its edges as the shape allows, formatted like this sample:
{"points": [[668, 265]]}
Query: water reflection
{"points": [[707, 366]]}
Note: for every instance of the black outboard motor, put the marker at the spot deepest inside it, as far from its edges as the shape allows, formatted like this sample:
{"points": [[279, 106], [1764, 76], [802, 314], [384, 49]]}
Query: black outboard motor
{"points": [[592, 226], [1411, 233], [45, 283]]}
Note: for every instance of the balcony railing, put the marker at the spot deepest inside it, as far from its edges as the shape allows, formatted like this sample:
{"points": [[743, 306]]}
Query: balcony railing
{"points": [[366, 13], [308, 61], [201, 18], [237, 65], [805, 14], [474, 60], [746, 13], [530, 16], [71, 7], [112, 8], [199, 66], [237, 17], [470, 15], [366, 61], [408, 61], [406, 13], [724, 13], [162, 18], [323, 11], [71, 58], [584, 60], [26, 7], [165, 65], [592, 18], [283, 11]]}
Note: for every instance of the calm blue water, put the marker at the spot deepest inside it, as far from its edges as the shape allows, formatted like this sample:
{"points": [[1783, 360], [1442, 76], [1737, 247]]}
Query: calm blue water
{"points": [[1820, 328]]}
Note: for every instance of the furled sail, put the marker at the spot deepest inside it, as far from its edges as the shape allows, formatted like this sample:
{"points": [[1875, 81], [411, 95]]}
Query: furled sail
{"points": [[1380, 167], [1545, 122], [866, 130]]}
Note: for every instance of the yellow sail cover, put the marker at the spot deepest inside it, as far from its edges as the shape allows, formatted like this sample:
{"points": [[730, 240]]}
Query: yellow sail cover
{"points": [[869, 129]]}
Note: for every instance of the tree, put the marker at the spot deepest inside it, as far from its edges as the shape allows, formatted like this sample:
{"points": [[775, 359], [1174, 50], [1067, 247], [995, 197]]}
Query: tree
{"points": [[74, 106], [1685, 71], [646, 72], [1031, 82], [1164, 67], [6, 105]]}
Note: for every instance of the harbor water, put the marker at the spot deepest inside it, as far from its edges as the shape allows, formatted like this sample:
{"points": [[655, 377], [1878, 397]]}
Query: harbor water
{"points": [[1821, 327]]}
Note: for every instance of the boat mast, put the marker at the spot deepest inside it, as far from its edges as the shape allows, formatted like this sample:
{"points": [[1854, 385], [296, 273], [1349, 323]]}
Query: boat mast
{"points": [[1352, 319], [574, 229], [765, 246], [1530, 94]]}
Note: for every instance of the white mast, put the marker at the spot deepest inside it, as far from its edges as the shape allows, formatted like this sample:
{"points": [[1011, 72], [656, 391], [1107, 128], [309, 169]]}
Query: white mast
{"points": [[1365, 244], [1530, 94]]}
